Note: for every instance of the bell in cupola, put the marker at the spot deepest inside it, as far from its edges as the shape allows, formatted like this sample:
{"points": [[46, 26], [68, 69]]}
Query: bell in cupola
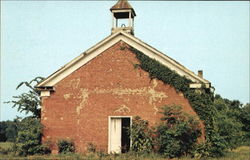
{"points": [[122, 17]]}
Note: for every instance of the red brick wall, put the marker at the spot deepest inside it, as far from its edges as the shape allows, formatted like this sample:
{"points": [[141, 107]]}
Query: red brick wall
{"points": [[109, 85]]}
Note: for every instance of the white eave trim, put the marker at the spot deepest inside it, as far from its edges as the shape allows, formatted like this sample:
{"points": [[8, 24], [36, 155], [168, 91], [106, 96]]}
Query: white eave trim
{"points": [[199, 85], [45, 93], [108, 42]]}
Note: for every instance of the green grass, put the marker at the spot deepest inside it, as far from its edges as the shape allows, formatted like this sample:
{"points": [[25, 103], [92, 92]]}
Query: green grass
{"points": [[241, 153], [6, 145]]}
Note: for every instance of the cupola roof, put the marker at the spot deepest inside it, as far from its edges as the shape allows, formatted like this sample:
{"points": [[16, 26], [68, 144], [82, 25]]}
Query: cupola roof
{"points": [[121, 5]]}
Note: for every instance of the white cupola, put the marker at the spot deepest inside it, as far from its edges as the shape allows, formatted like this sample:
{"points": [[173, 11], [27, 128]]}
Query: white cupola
{"points": [[122, 17]]}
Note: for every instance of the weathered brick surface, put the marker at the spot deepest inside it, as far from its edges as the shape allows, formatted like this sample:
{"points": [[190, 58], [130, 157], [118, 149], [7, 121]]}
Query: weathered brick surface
{"points": [[109, 85]]}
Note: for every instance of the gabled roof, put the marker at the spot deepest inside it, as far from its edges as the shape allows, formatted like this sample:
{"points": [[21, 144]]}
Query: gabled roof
{"points": [[94, 51]]}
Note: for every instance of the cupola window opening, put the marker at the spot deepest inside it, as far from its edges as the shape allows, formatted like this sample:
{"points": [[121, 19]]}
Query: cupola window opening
{"points": [[122, 17]]}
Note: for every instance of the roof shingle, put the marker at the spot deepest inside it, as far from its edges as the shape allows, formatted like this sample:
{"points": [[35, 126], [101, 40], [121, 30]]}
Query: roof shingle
{"points": [[122, 4]]}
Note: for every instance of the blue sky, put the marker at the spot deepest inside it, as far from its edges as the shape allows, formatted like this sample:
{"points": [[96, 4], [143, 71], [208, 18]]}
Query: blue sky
{"points": [[39, 37]]}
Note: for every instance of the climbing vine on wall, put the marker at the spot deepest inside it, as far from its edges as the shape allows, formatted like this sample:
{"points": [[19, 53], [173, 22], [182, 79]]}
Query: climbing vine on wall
{"points": [[202, 101]]}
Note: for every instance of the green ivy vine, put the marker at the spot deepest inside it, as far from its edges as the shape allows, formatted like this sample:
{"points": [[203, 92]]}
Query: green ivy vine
{"points": [[201, 102]]}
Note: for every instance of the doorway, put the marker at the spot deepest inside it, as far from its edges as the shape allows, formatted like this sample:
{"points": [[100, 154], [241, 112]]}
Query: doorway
{"points": [[119, 137]]}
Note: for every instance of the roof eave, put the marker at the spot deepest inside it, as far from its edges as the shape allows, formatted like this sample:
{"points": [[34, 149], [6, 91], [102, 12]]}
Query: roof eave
{"points": [[106, 40]]}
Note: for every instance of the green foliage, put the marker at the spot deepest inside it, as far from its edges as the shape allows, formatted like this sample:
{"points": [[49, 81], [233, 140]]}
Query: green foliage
{"points": [[3, 127], [224, 119], [229, 122], [65, 146], [159, 71], [201, 101], [11, 133], [245, 120], [141, 136], [91, 147], [27, 133], [29, 138], [178, 132], [8, 130], [200, 150], [28, 102]]}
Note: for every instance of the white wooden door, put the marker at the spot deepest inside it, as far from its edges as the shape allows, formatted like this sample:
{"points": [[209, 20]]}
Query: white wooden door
{"points": [[115, 135]]}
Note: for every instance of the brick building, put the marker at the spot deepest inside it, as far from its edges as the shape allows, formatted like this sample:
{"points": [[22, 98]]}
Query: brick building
{"points": [[91, 98]]}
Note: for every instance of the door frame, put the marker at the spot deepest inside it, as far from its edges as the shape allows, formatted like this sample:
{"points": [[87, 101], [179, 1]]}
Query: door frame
{"points": [[109, 130]]}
